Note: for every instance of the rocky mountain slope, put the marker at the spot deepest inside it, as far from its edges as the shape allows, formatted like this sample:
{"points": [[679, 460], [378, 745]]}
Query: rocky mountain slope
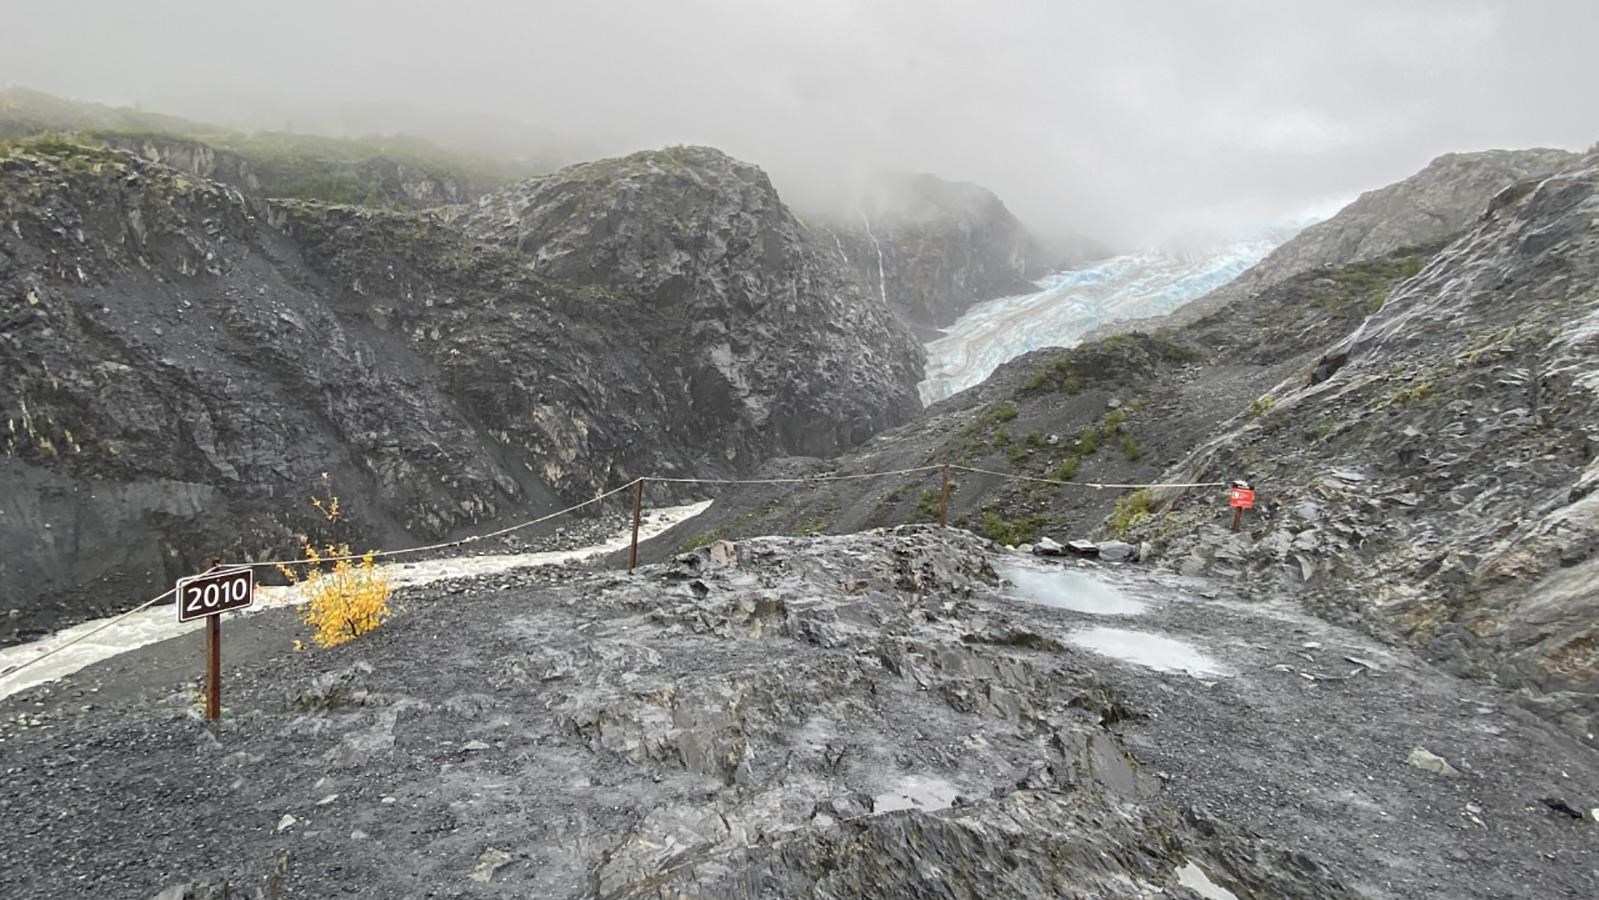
{"points": [[182, 360], [1420, 427], [1435, 470], [1438, 202], [934, 248], [871, 715]]}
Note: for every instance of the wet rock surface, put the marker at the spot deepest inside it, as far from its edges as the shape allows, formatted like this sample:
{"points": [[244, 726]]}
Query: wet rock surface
{"points": [[875, 715]]}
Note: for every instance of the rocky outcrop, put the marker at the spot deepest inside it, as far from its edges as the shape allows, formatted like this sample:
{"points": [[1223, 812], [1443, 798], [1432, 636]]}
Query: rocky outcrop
{"points": [[871, 715], [933, 248], [183, 361], [777, 347]]}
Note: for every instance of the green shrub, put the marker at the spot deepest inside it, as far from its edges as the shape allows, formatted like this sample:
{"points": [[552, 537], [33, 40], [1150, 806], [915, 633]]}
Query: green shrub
{"points": [[1067, 470], [1130, 510], [1130, 448], [1021, 531], [1088, 442], [1261, 405]]}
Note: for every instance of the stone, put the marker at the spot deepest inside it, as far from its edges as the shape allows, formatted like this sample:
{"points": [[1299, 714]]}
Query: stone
{"points": [[723, 554], [288, 821], [1047, 547], [1428, 761], [1117, 551], [474, 746]]}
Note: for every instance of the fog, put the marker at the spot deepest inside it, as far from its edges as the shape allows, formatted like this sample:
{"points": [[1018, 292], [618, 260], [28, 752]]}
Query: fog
{"points": [[1132, 123]]}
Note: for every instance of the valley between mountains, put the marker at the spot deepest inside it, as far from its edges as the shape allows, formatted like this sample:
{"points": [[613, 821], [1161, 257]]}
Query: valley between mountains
{"points": [[1384, 685]]}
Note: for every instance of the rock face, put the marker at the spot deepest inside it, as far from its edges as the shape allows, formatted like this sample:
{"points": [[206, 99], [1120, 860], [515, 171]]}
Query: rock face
{"points": [[735, 297], [933, 248], [1435, 470], [1438, 202], [183, 361]]}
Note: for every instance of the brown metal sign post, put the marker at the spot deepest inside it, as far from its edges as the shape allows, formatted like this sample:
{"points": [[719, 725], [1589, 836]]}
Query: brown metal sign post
{"points": [[943, 500], [638, 507], [207, 596], [213, 668]]}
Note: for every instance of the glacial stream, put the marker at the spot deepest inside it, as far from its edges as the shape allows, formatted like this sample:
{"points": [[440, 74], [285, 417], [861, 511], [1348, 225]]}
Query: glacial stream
{"points": [[159, 622]]}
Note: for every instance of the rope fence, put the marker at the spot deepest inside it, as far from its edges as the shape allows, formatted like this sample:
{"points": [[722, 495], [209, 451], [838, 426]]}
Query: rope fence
{"points": [[637, 486]]}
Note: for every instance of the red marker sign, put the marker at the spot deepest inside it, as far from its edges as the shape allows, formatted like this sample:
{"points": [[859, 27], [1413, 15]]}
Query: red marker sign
{"points": [[1242, 498]]}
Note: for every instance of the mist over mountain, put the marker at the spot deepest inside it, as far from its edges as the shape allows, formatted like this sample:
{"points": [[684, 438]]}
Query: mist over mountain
{"points": [[1128, 124]]}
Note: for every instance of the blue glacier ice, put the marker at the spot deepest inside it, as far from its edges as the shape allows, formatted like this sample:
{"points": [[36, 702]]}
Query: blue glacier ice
{"points": [[1072, 303]]}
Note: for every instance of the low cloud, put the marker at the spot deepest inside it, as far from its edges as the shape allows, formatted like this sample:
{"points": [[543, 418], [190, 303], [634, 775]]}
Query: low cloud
{"points": [[1131, 123]]}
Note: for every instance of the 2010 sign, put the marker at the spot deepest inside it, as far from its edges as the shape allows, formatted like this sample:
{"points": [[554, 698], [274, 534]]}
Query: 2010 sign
{"points": [[214, 593]]}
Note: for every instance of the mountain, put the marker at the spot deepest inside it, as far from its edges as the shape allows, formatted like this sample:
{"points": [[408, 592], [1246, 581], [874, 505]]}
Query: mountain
{"points": [[183, 360], [1420, 427], [933, 248], [1441, 200], [1435, 470]]}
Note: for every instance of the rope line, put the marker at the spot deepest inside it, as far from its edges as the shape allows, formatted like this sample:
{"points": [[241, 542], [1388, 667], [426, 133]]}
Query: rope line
{"points": [[811, 479], [1096, 485], [444, 544]]}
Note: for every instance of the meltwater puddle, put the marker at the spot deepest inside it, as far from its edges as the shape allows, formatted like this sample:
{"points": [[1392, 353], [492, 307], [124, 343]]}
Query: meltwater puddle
{"points": [[1065, 588], [916, 792], [1153, 651], [158, 623]]}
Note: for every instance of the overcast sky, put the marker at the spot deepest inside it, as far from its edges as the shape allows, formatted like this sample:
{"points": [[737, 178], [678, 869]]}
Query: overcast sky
{"points": [[1131, 122]]}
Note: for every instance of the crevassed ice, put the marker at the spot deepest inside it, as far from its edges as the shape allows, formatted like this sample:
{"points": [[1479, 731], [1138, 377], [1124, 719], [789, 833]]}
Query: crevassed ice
{"points": [[1074, 303]]}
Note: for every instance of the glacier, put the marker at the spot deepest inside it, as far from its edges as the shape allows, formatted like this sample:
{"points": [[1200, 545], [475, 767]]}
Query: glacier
{"points": [[1070, 304]]}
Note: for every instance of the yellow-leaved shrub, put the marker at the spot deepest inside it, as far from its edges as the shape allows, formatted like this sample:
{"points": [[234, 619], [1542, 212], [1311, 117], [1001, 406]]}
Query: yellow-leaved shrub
{"points": [[345, 596]]}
